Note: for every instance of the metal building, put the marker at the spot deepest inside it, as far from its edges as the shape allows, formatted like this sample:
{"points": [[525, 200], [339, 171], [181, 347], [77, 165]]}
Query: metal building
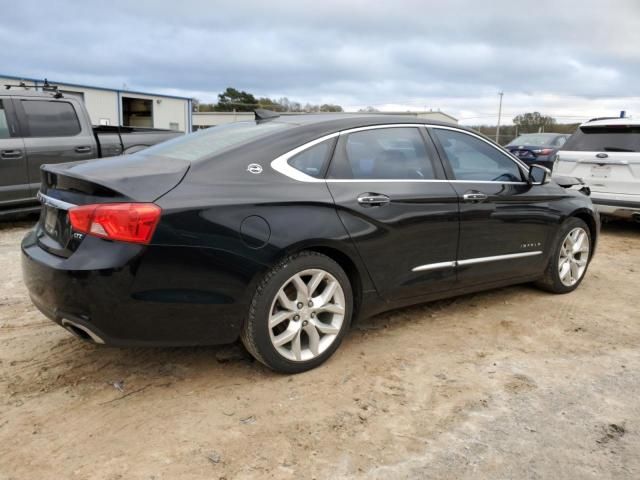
{"points": [[107, 106]]}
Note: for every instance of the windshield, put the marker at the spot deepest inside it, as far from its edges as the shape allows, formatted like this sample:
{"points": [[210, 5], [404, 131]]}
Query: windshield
{"points": [[618, 138], [533, 139], [211, 141]]}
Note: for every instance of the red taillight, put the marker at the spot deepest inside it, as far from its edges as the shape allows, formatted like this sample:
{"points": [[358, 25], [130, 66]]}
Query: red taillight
{"points": [[125, 222], [544, 151]]}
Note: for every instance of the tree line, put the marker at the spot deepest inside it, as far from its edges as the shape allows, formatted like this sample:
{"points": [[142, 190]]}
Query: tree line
{"points": [[233, 100], [531, 122]]}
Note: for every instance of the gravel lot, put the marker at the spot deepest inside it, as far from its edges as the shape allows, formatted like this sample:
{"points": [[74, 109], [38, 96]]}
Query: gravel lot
{"points": [[512, 383]]}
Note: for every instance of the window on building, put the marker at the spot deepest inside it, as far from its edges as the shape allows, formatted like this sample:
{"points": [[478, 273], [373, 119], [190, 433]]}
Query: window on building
{"points": [[48, 118], [137, 112]]}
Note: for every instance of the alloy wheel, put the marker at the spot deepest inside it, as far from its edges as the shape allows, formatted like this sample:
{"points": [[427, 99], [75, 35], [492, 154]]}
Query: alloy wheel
{"points": [[306, 315], [574, 256]]}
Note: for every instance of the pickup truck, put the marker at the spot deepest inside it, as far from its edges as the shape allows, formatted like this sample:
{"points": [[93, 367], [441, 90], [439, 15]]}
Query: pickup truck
{"points": [[39, 128]]}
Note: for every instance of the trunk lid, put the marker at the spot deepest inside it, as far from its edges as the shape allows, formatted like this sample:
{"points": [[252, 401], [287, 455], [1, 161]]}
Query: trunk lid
{"points": [[129, 178], [603, 171], [607, 157]]}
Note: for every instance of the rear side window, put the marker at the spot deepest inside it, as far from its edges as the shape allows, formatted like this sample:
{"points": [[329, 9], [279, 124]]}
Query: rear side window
{"points": [[50, 118], [312, 160], [474, 159], [4, 124], [209, 142], [383, 154], [614, 138]]}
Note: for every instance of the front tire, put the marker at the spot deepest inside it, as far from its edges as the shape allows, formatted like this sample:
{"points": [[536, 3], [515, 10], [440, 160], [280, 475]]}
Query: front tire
{"points": [[570, 258], [299, 314]]}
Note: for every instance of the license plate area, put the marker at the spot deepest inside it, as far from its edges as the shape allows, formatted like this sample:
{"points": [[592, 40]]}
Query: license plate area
{"points": [[50, 223], [601, 171]]}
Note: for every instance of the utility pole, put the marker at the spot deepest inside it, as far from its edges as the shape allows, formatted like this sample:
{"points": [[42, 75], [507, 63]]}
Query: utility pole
{"points": [[500, 94]]}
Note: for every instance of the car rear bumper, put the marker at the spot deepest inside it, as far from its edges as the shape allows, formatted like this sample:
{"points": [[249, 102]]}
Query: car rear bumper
{"points": [[617, 205], [125, 294]]}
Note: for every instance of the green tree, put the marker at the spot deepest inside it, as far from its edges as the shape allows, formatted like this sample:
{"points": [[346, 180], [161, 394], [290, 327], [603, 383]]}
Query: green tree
{"points": [[327, 107], [238, 100], [369, 109], [533, 122]]}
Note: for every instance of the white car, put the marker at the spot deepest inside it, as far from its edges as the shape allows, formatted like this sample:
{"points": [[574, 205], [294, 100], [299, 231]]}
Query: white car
{"points": [[605, 154]]}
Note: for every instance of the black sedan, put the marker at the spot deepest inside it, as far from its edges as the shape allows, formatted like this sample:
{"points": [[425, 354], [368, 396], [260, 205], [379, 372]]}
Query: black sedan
{"points": [[537, 148], [281, 231]]}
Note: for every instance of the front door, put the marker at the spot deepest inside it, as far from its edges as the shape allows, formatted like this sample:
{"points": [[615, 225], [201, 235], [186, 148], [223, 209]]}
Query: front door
{"points": [[401, 213], [506, 224], [14, 183]]}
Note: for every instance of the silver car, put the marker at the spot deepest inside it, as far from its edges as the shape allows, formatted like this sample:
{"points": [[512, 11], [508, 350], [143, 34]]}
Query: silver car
{"points": [[605, 154]]}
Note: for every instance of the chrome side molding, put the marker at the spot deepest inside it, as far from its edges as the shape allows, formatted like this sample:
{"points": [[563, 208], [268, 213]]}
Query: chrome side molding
{"points": [[433, 266], [473, 261]]}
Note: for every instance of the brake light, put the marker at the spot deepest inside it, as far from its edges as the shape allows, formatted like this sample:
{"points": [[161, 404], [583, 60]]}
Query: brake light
{"points": [[125, 222], [544, 151]]}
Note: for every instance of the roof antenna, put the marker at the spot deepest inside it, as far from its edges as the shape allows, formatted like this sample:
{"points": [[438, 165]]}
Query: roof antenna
{"points": [[262, 115]]}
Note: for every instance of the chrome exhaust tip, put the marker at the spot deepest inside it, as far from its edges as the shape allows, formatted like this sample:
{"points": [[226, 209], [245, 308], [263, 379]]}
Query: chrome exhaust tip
{"points": [[81, 331]]}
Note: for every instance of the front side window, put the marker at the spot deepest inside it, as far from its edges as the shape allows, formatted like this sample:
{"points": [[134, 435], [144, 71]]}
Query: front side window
{"points": [[51, 118], [383, 153], [4, 124], [474, 159], [312, 160]]}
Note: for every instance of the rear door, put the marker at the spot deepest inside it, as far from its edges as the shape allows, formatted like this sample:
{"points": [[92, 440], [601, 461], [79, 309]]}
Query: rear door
{"points": [[606, 157], [55, 131], [14, 184], [393, 199], [505, 224]]}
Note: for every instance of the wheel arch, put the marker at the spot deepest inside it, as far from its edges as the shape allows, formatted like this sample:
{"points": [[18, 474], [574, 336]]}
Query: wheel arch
{"points": [[589, 218], [357, 274]]}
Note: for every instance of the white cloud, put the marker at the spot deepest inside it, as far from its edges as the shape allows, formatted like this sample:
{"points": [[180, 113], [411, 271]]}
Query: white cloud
{"points": [[575, 59]]}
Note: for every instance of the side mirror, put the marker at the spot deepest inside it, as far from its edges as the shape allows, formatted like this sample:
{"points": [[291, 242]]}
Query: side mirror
{"points": [[539, 175]]}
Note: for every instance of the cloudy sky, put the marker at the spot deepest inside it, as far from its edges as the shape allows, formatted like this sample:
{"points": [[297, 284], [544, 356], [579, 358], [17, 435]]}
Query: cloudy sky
{"points": [[571, 59]]}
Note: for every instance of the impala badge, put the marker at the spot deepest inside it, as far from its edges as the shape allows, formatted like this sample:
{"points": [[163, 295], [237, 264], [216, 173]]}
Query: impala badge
{"points": [[254, 168]]}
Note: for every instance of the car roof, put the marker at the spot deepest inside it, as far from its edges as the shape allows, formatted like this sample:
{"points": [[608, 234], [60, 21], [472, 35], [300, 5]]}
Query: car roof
{"points": [[19, 92], [343, 121], [603, 122], [548, 134]]}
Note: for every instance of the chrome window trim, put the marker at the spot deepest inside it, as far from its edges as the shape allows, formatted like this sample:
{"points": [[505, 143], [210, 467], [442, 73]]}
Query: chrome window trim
{"points": [[281, 165], [473, 261], [54, 202]]}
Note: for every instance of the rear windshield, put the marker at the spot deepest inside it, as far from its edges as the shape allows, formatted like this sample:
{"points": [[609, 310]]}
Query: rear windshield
{"points": [[534, 140], [211, 141], [605, 139]]}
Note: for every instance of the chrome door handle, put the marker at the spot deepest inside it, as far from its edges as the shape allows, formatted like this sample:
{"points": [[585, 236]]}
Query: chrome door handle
{"points": [[474, 197], [8, 154], [373, 199]]}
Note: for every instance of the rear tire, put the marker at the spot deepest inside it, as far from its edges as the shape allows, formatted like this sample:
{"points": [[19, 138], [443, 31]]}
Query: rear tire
{"points": [[299, 314], [569, 259]]}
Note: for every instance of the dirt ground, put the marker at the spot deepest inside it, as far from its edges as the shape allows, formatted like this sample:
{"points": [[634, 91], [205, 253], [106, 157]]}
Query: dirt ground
{"points": [[512, 383]]}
